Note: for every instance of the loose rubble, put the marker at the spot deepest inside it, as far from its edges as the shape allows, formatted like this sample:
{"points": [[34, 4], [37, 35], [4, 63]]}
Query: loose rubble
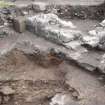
{"points": [[62, 99], [6, 94]]}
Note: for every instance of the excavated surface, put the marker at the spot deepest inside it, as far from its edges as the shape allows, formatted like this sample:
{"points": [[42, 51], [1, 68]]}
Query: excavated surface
{"points": [[37, 84], [36, 79]]}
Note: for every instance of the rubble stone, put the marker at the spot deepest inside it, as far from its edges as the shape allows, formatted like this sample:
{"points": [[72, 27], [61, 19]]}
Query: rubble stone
{"points": [[101, 65], [96, 37], [92, 41], [62, 99], [6, 90], [3, 34]]}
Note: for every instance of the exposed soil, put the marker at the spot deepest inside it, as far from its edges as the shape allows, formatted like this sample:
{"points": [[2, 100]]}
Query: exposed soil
{"points": [[70, 2], [37, 82], [33, 84]]}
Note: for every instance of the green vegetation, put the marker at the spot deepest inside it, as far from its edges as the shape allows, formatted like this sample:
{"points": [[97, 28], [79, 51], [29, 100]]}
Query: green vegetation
{"points": [[4, 4]]}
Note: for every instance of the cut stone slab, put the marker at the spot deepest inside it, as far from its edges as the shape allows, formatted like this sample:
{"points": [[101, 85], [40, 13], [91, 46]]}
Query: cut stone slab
{"points": [[89, 60], [103, 23], [1, 21], [76, 46], [19, 24]]}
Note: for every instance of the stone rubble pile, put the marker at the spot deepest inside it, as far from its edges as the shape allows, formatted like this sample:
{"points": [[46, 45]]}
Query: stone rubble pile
{"points": [[96, 37], [8, 14], [6, 94], [53, 28]]}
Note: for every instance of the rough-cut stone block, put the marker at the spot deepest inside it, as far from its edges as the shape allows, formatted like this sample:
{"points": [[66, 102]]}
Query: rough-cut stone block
{"points": [[19, 24]]}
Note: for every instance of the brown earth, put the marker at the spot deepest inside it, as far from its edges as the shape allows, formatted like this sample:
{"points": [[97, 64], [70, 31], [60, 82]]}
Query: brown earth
{"points": [[37, 84], [70, 2]]}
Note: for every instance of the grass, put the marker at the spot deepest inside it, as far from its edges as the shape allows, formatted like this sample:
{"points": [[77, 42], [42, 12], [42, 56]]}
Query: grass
{"points": [[4, 4]]}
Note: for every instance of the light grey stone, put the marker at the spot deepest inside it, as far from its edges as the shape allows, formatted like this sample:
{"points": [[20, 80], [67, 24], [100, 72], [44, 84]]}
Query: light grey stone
{"points": [[53, 28]]}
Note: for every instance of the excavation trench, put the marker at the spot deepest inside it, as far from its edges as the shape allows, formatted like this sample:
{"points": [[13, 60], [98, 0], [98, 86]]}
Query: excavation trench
{"points": [[36, 79], [32, 76]]}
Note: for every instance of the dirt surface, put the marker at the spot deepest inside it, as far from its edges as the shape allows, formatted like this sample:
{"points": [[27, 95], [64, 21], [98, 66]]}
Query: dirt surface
{"points": [[70, 2], [37, 84], [34, 79]]}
